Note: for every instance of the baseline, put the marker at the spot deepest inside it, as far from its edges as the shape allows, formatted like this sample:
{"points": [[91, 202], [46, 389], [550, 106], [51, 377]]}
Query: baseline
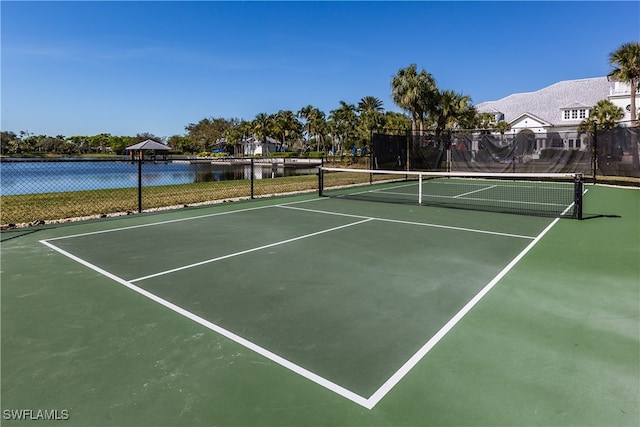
{"points": [[170, 221]]}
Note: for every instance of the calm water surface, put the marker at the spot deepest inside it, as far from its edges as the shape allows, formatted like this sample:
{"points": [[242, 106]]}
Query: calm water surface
{"points": [[31, 177]]}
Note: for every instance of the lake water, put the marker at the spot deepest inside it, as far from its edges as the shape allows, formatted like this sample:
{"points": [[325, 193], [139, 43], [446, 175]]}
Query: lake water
{"points": [[31, 177]]}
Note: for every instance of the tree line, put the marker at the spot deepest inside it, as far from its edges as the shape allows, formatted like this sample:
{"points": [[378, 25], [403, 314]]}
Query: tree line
{"points": [[308, 129], [425, 107]]}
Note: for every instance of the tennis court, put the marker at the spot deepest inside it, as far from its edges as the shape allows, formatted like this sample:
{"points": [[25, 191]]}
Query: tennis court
{"points": [[309, 310]]}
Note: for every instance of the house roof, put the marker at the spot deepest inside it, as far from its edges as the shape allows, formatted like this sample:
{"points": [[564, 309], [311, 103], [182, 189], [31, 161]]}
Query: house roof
{"points": [[547, 103], [532, 116]]}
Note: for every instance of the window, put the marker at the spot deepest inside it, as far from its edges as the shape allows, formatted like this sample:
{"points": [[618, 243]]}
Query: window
{"points": [[575, 114], [571, 143], [557, 143], [578, 143]]}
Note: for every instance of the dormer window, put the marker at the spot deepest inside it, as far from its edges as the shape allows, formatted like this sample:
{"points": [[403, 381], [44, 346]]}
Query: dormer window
{"points": [[574, 114]]}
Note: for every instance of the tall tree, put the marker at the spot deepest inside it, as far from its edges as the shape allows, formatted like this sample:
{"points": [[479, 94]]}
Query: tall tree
{"points": [[605, 114], [626, 63], [315, 123], [502, 127], [343, 121], [371, 117], [414, 92], [182, 143], [262, 126], [208, 132], [99, 142], [236, 135], [395, 123], [370, 104], [306, 113], [7, 141], [287, 126], [451, 110]]}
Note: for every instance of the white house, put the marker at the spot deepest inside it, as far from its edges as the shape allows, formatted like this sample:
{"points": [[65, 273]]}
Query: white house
{"points": [[255, 147], [550, 116]]}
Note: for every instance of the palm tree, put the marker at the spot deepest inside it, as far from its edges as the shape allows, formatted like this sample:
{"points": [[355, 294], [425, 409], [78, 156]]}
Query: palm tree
{"points": [[343, 120], [312, 117], [370, 109], [370, 104], [306, 113], [414, 92], [286, 125], [502, 127], [395, 123], [452, 110], [261, 126], [626, 63], [605, 114]]}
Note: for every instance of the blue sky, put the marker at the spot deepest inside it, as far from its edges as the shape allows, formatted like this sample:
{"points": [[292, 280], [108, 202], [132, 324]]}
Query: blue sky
{"points": [[83, 68]]}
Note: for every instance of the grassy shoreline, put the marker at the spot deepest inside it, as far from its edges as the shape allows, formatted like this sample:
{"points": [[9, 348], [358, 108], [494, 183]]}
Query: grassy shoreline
{"points": [[23, 210], [37, 209]]}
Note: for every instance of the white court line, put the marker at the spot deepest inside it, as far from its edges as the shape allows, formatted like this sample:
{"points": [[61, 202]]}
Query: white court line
{"points": [[228, 334], [379, 394], [382, 190], [259, 248], [413, 361], [131, 227], [475, 191], [423, 224], [427, 196]]}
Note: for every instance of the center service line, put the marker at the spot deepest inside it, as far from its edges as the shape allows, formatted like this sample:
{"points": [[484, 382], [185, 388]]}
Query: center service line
{"points": [[259, 248]]}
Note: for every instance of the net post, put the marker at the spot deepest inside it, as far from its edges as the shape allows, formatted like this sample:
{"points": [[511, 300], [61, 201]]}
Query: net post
{"points": [[320, 180], [420, 189], [578, 196]]}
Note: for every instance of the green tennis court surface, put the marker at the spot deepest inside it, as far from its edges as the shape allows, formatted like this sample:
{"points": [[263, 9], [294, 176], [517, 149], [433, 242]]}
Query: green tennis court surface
{"points": [[316, 311]]}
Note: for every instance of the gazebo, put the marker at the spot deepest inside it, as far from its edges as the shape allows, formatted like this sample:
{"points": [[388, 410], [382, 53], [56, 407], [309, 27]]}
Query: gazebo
{"points": [[147, 145]]}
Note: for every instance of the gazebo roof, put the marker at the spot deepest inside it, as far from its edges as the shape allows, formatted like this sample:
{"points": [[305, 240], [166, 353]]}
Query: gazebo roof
{"points": [[148, 145]]}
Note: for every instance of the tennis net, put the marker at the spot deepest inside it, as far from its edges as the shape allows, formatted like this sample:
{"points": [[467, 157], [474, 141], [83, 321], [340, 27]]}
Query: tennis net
{"points": [[540, 194]]}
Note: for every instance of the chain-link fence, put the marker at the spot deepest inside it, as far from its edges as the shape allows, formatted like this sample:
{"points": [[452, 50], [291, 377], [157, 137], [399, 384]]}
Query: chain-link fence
{"points": [[601, 152], [34, 191], [37, 191]]}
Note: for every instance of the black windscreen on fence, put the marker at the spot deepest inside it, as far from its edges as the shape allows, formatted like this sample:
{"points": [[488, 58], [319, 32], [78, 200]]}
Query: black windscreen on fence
{"points": [[603, 152], [618, 152], [404, 152]]}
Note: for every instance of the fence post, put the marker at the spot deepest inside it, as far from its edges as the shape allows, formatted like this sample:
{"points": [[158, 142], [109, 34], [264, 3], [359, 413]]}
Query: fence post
{"points": [[594, 154], [252, 164]]}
